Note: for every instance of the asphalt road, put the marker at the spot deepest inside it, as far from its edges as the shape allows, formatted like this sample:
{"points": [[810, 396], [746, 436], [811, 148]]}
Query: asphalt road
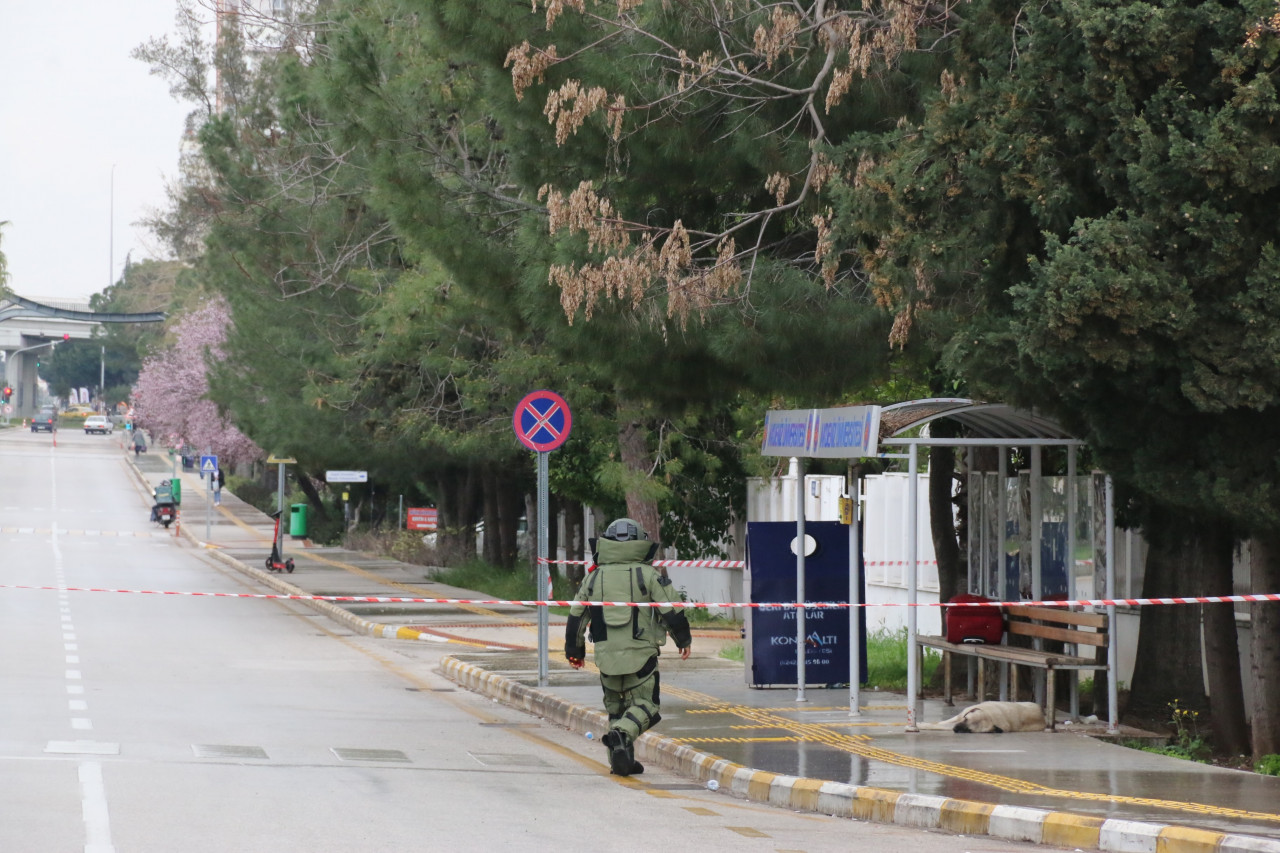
{"points": [[168, 723]]}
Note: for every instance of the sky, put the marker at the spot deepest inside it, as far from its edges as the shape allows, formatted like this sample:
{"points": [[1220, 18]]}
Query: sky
{"points": [[88, 139]]}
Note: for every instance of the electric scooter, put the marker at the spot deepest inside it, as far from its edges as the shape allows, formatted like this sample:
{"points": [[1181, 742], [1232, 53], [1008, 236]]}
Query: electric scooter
{"points": [[274, 562]]}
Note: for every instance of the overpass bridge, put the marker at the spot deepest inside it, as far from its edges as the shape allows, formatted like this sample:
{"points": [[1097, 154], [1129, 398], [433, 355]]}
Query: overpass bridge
{"points": [[30, 329]]}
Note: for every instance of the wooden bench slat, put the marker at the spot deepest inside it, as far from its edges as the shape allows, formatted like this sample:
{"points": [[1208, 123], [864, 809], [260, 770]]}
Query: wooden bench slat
{"points": [[1058, 614], [1048, 632], [1011, 654]]}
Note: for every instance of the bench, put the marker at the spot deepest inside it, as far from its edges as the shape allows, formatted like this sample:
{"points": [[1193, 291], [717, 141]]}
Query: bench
{"points": [[1073, 627]]}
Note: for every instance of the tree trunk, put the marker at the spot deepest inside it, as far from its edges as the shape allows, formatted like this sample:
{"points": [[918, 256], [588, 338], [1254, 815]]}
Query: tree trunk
{"points": [[1167, 666], [313, 497], [946, 545], [510, 507], [575, 546], [1222, 647], [633, 447], [492, 549], [1264, 646], [455, 538]]}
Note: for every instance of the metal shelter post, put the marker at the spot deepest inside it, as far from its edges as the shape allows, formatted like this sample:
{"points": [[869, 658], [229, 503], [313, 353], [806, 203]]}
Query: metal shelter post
{"points": [[1002, 523], [855, 594], [1036, 514], [913, 653], [800, 549], [1070, 560], [1113, 647]]}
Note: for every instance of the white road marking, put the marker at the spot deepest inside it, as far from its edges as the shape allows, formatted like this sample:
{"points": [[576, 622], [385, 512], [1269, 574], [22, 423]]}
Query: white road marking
{"points": [[93, 801]]}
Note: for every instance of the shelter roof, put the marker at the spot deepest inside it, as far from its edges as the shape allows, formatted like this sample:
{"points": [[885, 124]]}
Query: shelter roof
{"points": [[982, 420]]}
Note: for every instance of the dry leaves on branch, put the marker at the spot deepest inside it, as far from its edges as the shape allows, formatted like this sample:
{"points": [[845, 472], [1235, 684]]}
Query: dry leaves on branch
{"points": [[528, 65], [629, 271]]}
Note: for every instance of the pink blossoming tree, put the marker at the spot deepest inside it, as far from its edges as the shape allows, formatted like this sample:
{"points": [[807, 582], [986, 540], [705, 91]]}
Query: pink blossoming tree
{"points": [[170, 398]]}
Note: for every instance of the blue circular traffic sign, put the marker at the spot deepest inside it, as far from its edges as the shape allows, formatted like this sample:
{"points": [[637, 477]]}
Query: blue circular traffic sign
{"points": [[542, 421]]}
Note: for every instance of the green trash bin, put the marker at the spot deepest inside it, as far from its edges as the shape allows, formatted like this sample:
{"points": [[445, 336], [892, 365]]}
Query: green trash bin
{"points": [[298, 521], [176, 486]]}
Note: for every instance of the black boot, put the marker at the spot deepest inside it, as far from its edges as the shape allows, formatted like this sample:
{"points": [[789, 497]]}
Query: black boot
{"points": [[621, 759], [636, 767]]}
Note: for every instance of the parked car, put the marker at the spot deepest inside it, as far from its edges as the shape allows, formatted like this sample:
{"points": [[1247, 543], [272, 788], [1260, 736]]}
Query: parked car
{"points": [[46, 421], [97, 423], [78, 412]]}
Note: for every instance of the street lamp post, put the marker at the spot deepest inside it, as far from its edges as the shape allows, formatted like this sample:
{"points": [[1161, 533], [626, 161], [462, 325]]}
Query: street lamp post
{"points": [[111, 231]]}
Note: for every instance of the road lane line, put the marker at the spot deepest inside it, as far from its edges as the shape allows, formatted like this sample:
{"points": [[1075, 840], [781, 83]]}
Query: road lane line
{"points": [[93, 803], [93, 794]]}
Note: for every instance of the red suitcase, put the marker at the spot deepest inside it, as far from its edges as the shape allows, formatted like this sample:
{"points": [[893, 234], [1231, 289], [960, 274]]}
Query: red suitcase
{"points": [[974, 624]]}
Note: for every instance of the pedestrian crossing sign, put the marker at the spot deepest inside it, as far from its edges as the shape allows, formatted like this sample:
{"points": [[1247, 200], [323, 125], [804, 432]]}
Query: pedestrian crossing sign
{"points": [[208, 464]]}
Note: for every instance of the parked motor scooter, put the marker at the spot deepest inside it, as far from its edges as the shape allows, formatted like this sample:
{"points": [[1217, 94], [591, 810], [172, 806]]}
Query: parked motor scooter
{"points": [[165, 508], [274, 562]]}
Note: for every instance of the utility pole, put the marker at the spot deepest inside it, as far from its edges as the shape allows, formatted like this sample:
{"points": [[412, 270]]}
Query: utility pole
{"points": [[111, 231]]}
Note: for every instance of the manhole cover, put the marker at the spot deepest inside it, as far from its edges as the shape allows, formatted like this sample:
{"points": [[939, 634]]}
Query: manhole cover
{"points": [[213, 750], [369, 754]]}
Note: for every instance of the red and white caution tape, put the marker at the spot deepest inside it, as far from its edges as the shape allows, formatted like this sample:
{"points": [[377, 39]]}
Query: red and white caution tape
{"points": [[701, 564], [792, 605], [724, 564]]}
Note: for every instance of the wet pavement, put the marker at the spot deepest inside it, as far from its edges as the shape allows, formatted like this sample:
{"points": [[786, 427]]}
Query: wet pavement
{"points": [[714, 726]]}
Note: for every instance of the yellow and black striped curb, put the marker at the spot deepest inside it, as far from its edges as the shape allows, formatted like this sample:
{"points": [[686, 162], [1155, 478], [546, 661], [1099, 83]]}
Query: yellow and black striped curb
{"points": [[839, 799]]}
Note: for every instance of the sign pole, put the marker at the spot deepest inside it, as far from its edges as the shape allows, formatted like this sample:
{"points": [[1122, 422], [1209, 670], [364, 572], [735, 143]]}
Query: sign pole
{"points": [[542, 421], [800, 555], [278, 541], [208, 470], [855, 592], [208, 507], [544, 531]]}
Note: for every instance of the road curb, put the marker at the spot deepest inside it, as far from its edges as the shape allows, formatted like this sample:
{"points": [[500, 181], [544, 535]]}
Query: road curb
{"points": [[963, 817]]}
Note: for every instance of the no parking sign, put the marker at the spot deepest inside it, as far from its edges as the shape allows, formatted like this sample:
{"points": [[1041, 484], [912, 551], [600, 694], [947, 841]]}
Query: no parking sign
{"points": [[542, 421]]}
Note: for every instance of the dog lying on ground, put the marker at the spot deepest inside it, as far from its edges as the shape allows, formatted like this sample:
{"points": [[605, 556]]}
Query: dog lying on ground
{"points": [[993, 717]]}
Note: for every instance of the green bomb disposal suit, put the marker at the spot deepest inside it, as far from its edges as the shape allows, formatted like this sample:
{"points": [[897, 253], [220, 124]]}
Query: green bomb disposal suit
{"points": [[626, 639]]}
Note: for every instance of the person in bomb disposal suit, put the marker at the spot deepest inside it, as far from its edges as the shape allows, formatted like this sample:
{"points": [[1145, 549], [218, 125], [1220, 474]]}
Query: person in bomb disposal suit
{"points": [[627, 639]]}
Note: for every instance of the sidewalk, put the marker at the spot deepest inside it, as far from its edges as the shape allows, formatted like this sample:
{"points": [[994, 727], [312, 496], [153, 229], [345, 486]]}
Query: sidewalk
{"points": [[1066, 788]]}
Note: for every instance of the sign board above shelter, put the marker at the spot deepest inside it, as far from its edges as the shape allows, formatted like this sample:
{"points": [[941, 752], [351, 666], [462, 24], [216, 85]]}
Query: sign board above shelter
{"points": [[845, 432]]}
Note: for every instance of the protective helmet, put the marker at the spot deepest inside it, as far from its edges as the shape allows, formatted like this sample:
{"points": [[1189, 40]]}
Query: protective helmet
{"points": [[625, 530]]}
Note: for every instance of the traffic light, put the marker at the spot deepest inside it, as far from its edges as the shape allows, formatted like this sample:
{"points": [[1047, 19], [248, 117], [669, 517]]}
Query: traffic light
{"points": [[7, 391], [66, 336]]}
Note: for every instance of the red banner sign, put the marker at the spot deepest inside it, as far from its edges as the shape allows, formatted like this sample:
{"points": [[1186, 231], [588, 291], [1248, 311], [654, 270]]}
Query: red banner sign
{"points": [[421, 518]]}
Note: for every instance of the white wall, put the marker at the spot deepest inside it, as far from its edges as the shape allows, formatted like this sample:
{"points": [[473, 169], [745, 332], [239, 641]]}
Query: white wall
{"points": [[885, 534]]}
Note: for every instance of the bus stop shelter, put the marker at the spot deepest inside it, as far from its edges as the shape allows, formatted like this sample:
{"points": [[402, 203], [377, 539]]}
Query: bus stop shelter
{"points": [[899, 431]]}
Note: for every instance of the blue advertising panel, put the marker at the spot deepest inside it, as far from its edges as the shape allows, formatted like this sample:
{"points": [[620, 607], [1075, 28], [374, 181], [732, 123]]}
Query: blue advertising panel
{"points": [[771, 632], [846, 432]]}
